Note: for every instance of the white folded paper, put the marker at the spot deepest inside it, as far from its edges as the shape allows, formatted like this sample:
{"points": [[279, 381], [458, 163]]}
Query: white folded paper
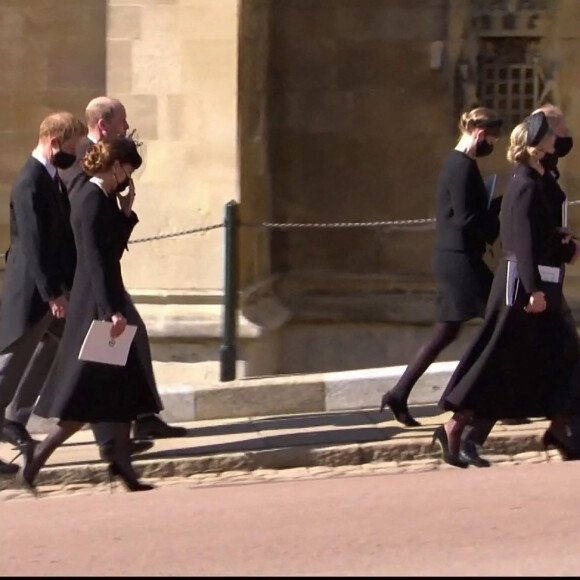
{"points": [[98, 345], [549, 273]]}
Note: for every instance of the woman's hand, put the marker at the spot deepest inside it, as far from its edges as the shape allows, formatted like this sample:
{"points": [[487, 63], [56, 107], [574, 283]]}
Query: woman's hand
{"points": [[566, 235], [119, 325], [126, 201], [536, 304]]}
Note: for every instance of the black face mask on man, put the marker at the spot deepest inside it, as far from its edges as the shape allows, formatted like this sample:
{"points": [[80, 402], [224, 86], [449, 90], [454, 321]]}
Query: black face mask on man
{"points": [[62, 159], [483, 148], [563, 146]]}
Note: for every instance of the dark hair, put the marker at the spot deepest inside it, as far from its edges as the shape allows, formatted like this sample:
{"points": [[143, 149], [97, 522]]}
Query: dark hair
{"points": [[102, 155]]}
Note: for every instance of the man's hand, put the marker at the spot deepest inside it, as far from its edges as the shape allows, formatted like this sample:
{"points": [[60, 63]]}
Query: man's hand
{"points": [[119, 325], [126, 201], [59, 307]]}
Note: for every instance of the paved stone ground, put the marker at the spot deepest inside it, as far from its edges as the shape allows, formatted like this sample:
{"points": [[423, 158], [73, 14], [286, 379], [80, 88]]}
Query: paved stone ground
{"points": [[240, 477]]}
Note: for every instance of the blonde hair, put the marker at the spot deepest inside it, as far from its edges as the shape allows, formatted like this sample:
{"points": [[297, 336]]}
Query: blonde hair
{"points": [[62, 126], [518, 150], [480, 118]]}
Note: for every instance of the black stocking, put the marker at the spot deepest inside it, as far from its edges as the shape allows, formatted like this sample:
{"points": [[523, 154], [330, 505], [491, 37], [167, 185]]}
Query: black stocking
{"points": [[445, 333]]}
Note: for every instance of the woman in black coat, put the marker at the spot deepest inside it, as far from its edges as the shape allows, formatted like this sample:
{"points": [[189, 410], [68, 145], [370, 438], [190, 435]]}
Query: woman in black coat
{"points": [[79, 392], [524, 361], [466, 223]]}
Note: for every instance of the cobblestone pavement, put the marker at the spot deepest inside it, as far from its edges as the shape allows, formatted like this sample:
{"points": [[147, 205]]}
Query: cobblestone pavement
{"points": [[238, 477]]}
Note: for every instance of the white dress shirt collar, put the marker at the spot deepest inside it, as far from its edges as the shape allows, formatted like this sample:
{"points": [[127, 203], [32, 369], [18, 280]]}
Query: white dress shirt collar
{"points": [[47, 164]]}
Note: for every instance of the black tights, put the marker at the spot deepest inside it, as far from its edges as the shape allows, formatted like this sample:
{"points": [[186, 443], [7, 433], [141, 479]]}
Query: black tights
{"points": [[445, 333], [117, 449]]}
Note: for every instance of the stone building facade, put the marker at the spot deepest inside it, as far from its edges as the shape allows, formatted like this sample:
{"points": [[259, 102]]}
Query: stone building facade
{"points": [[302, 111]]}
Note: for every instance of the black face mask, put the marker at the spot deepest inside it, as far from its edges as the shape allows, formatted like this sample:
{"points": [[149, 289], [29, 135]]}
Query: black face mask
{"points": [[483, 148], [63, 160], [563, 145]]}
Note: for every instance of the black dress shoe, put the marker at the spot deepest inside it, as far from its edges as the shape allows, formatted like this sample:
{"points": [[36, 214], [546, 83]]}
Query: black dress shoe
{"points": [[523, 421], [16, 434], [8, 468], [468, 453], [154, 428], [140, 446]]}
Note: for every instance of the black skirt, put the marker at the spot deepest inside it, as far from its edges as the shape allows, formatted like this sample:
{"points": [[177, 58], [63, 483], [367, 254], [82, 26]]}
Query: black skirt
{"points": [[519, 364], [463, 286]]}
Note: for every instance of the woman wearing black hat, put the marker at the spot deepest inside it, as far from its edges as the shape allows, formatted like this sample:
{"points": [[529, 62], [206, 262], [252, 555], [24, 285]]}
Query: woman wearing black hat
{"points": [[466, 223], [524, 361]]}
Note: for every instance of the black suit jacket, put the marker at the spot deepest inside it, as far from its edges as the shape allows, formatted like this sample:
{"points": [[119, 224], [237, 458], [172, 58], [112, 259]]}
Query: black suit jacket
{"points": [[74, 178], [41, 258]]}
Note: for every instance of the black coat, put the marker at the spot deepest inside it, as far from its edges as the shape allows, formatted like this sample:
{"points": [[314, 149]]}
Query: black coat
{"points": [[41, 258], [520, 364], [465, 225], [74, 178], [86, 391]]}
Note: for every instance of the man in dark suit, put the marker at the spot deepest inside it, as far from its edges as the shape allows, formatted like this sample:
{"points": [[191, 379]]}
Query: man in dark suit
{"points": [[40, 266], [107, 117]]}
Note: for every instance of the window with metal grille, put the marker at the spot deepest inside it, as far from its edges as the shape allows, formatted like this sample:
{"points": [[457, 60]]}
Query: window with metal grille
{"points": [[510, 79]]}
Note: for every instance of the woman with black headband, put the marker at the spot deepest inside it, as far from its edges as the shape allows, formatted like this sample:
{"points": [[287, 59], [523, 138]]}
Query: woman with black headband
{"points": [[466, 223], [524, 361]]}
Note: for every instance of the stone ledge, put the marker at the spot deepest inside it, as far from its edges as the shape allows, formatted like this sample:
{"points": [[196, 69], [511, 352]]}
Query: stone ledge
{"points": [[289, 394], [393, 450]]}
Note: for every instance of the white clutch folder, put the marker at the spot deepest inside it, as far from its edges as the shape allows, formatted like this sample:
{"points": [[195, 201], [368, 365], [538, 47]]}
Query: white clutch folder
{"points": [[98, 345]]}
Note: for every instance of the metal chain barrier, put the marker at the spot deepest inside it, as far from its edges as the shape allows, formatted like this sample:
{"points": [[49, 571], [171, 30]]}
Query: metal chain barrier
{"points": [[177, 234], [379, 224]]}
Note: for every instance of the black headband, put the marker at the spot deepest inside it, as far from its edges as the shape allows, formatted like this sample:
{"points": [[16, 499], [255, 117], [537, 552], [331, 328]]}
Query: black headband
{"points": [[538, 127]]}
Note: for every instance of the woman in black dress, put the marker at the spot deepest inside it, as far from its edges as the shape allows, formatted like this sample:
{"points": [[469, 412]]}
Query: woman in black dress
{"points": [[466, 223], [524, 361], [79, 392]]}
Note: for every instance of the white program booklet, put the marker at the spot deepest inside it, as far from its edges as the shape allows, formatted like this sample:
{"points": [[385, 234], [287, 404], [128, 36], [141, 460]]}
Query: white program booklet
{"points": [[98, 345], [565, 213], [547, 274], [512, 283], [490, 186]]}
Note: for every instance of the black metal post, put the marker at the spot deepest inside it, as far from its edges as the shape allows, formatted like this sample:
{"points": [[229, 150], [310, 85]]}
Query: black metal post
{"points": [[228, 349]]}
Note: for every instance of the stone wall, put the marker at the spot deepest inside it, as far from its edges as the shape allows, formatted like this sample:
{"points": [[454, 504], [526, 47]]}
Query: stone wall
{"points": [[174, 65], [52, 58]]}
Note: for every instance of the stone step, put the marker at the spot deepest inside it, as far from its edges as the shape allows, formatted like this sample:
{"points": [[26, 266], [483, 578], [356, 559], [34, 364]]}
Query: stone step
{"points": [[186, 399]]}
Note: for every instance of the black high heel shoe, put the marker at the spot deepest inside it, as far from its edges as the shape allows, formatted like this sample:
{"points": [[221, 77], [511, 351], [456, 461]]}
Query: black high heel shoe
{"points": [[440, 436], [550, 440], [131, 483], [399, 410]]}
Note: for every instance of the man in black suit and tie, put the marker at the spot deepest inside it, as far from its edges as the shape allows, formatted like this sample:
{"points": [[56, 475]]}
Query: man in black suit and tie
{"points": [[107, 117], [40, 266]]}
